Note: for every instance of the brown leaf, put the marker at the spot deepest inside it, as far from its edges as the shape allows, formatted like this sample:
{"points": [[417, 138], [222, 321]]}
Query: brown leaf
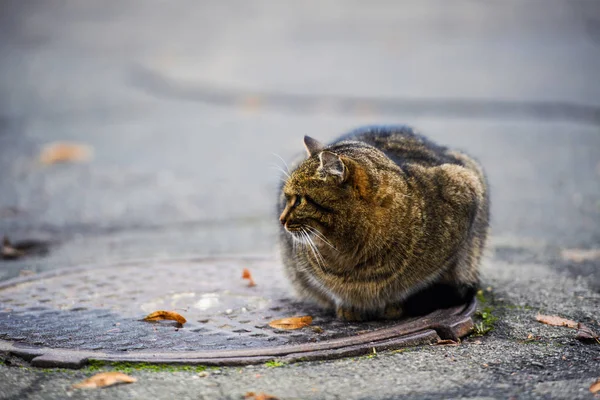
{"points": [[291, 323], [586, 334], [259, 396], [580, 255], [247, 275], [104, 379], [447, 342], [9, 252], [251, 103], [14, 250], [65, 152], [165, 315], [595, 388], [532, 338], [556, 321]]}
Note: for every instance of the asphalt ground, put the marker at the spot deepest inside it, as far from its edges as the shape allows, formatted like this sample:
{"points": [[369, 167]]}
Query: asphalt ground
{"points": [[184, 105]]}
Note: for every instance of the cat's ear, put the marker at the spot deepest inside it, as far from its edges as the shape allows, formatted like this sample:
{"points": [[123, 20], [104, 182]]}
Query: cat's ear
{"points": [[332, 165], [312, 146]]}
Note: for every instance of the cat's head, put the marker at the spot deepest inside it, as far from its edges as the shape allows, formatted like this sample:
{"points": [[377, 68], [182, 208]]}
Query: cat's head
{"points": [[325, 195]]}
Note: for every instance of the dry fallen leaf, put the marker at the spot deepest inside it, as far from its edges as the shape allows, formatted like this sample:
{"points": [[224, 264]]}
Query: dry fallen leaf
{"points": [[165, 315], [259, 396], [22, 248], [65, 152], [247, 275], [291, 323], [251, 103], [586, 334], [595, 388], [8, 252], [104, 379], [532, 338], [556, 321], [580, 255], [447, 342]]}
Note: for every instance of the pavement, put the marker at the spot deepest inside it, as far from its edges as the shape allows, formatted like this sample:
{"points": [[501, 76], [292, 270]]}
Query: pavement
{"points": [[185, 105]]}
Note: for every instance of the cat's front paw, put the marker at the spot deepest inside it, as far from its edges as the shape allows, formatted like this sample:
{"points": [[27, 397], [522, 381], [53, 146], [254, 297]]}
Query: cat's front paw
{"points": [[393, 311], [350, 314]]}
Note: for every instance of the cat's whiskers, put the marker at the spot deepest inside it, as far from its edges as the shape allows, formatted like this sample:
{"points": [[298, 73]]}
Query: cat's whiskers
{"points": [[318, 257], [317, 233], [278, 168], [314, 251], [284, 163], [299, 240]]}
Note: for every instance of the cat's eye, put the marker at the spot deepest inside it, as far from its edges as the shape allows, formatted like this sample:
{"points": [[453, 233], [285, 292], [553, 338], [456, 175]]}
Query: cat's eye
{"points": [[297, 201]]}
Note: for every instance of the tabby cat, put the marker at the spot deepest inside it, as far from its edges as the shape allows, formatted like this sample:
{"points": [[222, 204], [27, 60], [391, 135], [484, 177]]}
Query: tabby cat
{"points": [[383, 223]]}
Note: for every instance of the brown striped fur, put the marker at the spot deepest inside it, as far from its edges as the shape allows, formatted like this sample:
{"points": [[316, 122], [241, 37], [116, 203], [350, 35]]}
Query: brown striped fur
{"points": [[383, 222]]}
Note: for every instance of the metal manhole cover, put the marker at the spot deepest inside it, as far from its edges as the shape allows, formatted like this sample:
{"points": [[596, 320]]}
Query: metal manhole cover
{"points": [[66, 317]]}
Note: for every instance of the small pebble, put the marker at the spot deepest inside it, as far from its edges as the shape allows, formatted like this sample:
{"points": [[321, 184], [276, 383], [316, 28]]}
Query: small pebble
{"points": [[537, 364]]}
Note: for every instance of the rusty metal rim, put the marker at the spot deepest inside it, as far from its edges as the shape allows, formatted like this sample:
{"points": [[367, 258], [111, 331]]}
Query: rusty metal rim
{"points": [[64, 358], [448, 327]]}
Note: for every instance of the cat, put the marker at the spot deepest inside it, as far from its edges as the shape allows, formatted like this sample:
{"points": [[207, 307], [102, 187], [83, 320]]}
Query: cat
{"points": [[383, 223]]}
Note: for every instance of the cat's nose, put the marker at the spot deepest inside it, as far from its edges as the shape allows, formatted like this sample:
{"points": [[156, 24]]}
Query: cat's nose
{"points": [[283, 218]]}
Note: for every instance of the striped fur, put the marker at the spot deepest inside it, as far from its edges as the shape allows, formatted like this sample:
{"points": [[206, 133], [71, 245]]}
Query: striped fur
{"points": [[383, 223]]}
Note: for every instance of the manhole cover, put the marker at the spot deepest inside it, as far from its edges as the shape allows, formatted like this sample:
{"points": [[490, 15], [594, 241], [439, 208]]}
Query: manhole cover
{"points": [[66, 317]]}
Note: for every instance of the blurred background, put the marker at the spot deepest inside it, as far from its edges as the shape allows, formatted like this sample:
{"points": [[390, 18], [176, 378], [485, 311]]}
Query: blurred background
{"points": [[186, 106]]}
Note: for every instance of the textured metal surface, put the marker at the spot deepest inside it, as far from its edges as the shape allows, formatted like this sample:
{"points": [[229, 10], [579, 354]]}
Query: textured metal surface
{"points": [[97, 312]]}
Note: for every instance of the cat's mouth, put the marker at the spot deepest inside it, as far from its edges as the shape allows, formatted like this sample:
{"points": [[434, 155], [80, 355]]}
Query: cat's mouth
{"points": [[307, 234], [298, 232], [292, 228]]}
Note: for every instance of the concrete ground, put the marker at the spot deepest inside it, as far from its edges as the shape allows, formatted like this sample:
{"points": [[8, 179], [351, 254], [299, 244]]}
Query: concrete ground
{"points": [[184, 105]]}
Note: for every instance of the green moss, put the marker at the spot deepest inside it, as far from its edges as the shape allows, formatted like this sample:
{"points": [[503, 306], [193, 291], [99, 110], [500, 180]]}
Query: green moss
{"points": [[373, 353], [481, 297], [485, 315], [274, 364], [56, 370], [128, 367]]}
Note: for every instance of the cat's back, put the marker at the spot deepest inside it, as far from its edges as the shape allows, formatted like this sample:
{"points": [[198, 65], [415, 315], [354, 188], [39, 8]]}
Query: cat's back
{"points": [[399, 143], [404, 146]]}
